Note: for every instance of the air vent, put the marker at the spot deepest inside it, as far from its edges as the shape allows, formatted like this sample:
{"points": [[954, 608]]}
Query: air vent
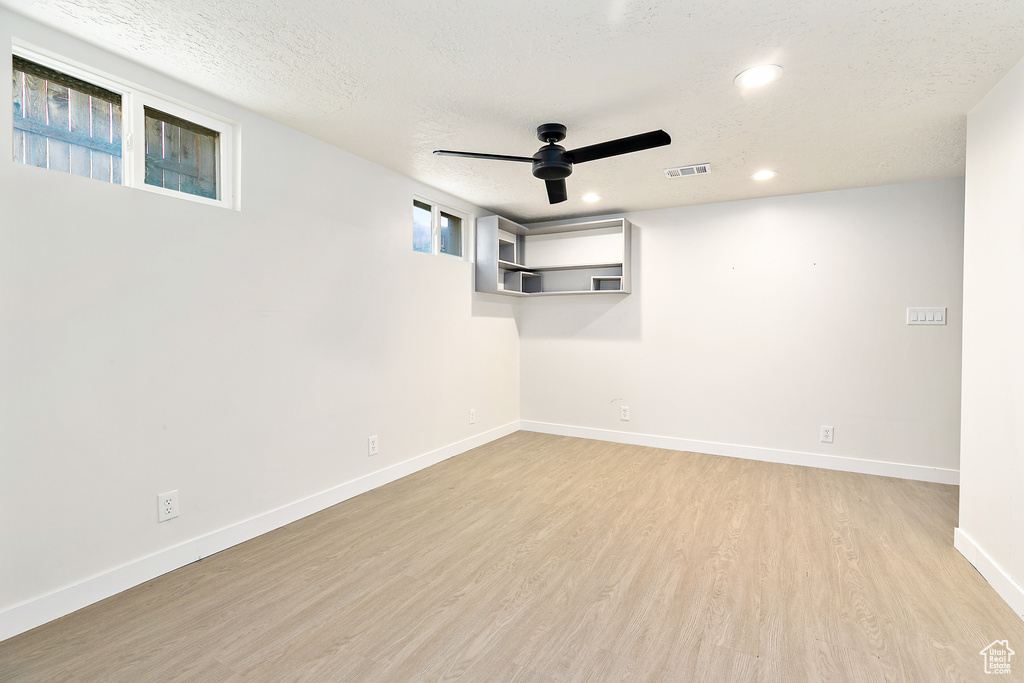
{"points": [[682, 171]]}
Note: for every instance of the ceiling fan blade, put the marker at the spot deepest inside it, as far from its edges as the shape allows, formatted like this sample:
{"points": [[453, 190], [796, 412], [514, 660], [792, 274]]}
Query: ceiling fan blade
{"points": [[556, 190], [474, 155], [634, 143]]}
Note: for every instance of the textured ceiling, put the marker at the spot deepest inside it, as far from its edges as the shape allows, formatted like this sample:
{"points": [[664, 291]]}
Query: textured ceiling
{"points": [[872, 92]]}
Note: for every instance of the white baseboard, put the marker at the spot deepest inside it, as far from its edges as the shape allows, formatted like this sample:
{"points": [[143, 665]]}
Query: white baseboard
{"points": [[936, 475], [38, 611], [1008, 589]]}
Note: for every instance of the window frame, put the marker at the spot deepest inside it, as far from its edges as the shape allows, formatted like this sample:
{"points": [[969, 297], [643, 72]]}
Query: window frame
{"points": [[134, 99], [436, 209], [137, 144], [76, 72]]}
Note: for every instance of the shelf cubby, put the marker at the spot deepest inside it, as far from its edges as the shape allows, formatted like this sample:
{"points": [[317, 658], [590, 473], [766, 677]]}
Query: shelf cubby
{"points": [[606, 283]]}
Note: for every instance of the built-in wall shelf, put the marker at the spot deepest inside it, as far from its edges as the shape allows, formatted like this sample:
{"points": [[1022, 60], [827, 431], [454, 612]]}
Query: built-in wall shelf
{"points": [[572, 257]]}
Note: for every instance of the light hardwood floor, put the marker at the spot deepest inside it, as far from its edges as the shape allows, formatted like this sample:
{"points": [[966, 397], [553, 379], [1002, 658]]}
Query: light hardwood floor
{"points": [[545, 558]]}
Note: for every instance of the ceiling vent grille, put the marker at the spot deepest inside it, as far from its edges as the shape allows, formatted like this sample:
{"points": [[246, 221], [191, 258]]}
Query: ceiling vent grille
{"points": [[682, 171]]}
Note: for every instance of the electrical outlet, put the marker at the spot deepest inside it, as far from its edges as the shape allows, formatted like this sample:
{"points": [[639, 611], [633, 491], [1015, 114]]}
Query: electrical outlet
{"points": [[827, 433], [624, 413], [472, 416], [167, 506], [371, 445]]}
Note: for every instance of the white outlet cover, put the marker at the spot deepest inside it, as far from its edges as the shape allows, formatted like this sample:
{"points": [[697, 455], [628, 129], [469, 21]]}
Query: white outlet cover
{"points": [[827, 434], [372, 445], [167, 506], [624, 413]]}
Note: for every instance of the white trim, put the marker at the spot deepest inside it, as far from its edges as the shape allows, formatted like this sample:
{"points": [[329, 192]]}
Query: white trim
{"points": [[936, 475], [225, 168], [1008, 589], [38, 611]]}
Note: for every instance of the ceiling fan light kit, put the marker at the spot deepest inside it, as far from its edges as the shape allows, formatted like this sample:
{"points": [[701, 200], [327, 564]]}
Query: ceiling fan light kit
{"points": [[553, 163]]}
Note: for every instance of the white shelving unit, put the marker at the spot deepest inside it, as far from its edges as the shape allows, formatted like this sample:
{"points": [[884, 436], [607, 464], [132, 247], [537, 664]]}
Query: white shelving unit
{"points": [[570, 257]]}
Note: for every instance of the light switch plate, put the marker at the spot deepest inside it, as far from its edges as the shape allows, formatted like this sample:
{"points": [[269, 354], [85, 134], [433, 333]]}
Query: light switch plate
{"points": [[926, 315]]}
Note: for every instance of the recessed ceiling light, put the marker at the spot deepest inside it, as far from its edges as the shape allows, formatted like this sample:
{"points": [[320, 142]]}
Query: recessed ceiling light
{"points": [[758, 76], [591, 197], [764, 175]]}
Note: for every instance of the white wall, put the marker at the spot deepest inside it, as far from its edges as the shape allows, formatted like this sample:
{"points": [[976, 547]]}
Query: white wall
{"points": [[991, 531], [753, 323], [149, 343]]}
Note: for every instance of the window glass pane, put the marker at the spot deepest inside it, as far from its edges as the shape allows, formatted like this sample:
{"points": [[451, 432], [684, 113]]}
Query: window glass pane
{"points": [[65, 124], [421, 226], [451, 234], [180, 155]]}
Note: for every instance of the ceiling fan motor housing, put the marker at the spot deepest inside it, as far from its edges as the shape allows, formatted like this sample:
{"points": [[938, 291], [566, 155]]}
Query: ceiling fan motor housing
{"points": [[550, 163], [553, 164]]}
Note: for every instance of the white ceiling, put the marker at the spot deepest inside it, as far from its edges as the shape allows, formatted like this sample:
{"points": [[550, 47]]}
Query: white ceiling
{"points": [[872, 93]]}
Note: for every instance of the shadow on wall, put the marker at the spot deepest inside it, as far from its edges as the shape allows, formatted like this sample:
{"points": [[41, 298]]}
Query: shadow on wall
{"points": [[611, 317]]}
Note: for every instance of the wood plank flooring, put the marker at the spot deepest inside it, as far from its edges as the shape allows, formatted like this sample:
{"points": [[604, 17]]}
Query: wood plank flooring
{"points": [[546, 558]]}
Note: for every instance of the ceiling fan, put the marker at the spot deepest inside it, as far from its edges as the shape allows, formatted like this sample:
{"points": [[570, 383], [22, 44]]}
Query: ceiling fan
{"points": [[553, 164]]}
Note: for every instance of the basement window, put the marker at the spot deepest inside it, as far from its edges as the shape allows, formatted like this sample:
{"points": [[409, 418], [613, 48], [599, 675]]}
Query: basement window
{"points": [[68, 119], [437, 229], [180, 155], [65, 123]]}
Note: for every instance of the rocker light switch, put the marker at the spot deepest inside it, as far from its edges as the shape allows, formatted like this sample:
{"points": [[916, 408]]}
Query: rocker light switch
{"points": [[926, 316]]}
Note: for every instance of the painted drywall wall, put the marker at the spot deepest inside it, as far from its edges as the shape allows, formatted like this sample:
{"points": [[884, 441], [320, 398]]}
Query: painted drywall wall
{"points": [[991, 528], [149, 343], [753, 323]]}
